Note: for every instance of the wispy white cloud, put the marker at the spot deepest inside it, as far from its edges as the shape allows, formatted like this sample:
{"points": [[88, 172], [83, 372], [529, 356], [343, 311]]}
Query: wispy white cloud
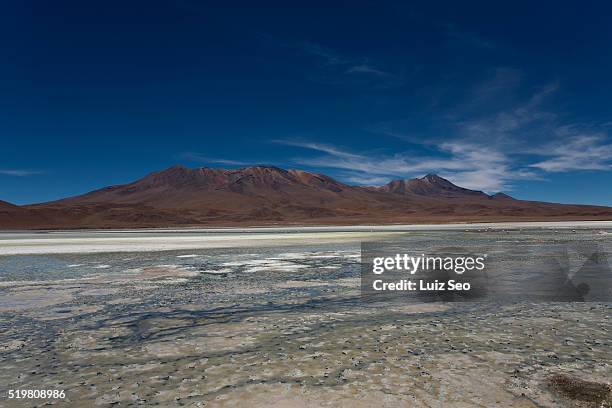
{"points": [[577, 152], [488, 152], [198, 158], [353, 65], [364, 179], [321, 147], [19, 172], [514, 123], [368, 70], [342, 69], [492, 111], [527, 129], [471, 166], [328, 55], [485, 167]]}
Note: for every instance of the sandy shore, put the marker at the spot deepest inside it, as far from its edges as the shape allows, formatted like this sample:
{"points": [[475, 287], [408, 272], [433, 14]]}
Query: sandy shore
{"points": [[22, 243], [71, 244]]}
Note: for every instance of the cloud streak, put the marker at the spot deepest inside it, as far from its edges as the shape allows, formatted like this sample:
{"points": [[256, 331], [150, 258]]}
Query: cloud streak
{"points": [[577, 153], [486, 152], [19, 172], [368, 70], [471, 166], [337, 68], [198, 158], [333, 58], [329, 56]]}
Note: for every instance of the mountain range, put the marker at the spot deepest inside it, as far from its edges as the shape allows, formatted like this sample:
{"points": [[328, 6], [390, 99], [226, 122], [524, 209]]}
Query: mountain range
{"points": [[266, 195]]}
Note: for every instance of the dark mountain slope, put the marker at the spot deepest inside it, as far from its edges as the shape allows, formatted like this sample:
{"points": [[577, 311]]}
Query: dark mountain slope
{"points": [[266, 195]]}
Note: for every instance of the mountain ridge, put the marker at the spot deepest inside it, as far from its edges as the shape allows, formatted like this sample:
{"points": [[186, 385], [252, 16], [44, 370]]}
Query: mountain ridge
{"points": [[428, 185], [269, 195], [6, 206]]}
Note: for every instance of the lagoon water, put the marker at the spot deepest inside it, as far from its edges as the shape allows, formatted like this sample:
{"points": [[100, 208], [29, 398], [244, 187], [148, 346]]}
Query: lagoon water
{"points": [[275, 318]]}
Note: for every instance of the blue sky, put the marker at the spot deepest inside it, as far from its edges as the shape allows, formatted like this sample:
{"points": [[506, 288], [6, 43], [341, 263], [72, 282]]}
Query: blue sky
{"points": [[513, 97]]}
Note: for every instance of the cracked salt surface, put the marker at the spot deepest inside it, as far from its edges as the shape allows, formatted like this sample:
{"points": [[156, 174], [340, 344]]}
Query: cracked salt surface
{"points": [[284, 326]]}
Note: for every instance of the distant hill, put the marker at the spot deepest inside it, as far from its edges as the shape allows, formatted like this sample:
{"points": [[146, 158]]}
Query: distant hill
{"points": [[266, 195], [430, 186], [6, 206]]}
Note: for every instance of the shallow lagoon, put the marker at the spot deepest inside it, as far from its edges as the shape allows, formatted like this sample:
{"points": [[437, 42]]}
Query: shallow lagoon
{"points": [[280, 322]]}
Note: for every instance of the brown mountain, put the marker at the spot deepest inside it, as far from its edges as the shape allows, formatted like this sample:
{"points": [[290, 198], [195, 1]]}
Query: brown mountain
{"points": [[430, 186], [265, 195], [6, 206]]}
